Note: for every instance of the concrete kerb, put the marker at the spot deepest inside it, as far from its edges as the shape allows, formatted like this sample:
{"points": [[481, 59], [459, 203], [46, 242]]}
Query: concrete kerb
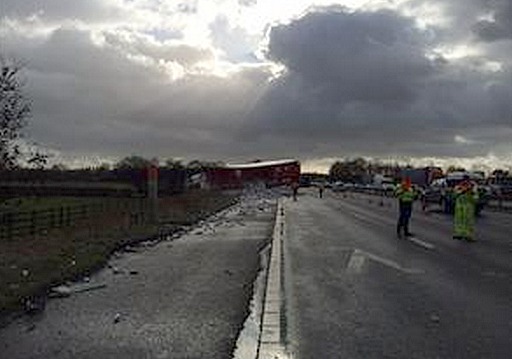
{"points": [[271, 341], [262, 334]]}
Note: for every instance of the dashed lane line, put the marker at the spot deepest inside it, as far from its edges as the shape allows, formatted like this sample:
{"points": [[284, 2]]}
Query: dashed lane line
{"points": [[412, 239], [420, 243], [387, 262]]}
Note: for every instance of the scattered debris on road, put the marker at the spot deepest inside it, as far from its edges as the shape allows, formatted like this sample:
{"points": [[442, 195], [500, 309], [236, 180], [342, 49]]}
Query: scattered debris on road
{"points": [[435, 318], [63, 291], [60, 291]]}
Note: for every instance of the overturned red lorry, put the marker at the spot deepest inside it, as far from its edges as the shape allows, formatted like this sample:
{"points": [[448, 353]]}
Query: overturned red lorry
{"points": [[268, 173]]}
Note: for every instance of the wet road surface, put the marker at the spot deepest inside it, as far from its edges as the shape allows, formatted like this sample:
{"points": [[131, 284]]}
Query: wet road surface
{"points": [[356, 291]]}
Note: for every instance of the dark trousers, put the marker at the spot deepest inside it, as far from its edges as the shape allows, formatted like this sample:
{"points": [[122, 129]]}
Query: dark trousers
{"points": [[405, 209]]}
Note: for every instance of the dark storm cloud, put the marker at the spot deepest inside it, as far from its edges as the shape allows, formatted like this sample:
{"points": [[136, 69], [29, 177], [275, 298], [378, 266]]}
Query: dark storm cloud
{"points": [[464, 18], [329, 50], [361, 82]]}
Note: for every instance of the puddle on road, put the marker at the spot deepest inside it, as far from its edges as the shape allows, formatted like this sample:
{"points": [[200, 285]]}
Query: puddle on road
{"points": [[248, 339]]}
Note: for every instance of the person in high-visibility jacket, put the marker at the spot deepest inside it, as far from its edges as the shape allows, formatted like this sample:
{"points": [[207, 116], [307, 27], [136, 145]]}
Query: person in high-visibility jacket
{"points": [[466, 197], [406, 196]]}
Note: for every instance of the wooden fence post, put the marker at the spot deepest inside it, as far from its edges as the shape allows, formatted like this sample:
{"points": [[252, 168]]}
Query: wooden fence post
{"points": [[52, 216], [33, 223], [10, 224], [2, 226], [68, 216]]}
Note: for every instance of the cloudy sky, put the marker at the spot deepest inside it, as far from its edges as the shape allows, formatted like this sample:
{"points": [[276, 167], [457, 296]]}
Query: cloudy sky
{"points": [[235, 80]]}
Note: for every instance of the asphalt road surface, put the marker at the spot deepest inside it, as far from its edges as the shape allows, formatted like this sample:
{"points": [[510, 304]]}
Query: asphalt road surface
{"points": [[354, 290]]}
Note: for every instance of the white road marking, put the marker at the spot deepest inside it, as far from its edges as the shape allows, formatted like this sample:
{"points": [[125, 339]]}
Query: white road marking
{"points": [[389, 263], [421, 243], [356, 262], [414, 240]]}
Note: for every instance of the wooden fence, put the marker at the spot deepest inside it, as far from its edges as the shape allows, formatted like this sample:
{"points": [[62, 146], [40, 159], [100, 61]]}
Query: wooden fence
{"points": [[31, 223]]}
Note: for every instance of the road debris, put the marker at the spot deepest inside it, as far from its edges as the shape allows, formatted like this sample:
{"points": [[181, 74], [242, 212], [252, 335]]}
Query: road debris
{"points": [[435, 318], [61, 291], [130, 249], [31, 328]]}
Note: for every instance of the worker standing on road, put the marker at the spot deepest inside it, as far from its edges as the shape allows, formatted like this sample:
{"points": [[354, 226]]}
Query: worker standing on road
{"points": [[423, 197], [464, 218], [321, 188], [406, 196], [295, 189]]}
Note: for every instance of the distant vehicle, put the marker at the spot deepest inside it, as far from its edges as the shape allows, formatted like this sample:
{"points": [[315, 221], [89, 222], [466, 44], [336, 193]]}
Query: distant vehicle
{"points": [[422, 176], [339, 186], [441, 191], [318, 183], [383, 184], [500, 187], [304, 181]]}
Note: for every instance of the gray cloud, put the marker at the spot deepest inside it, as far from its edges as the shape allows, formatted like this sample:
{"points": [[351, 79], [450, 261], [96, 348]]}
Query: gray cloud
{"points": [[234, 41], [247, 2], [361, 82], [92, 98], [188, 7], [56, 10], [329, 48], [136, 44], [500, 27], [354, 83]]}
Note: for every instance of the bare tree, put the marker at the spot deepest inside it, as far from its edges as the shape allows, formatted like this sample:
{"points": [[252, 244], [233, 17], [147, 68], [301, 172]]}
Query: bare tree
{"points": [[174, 164], [14, 112], [133, 162]]}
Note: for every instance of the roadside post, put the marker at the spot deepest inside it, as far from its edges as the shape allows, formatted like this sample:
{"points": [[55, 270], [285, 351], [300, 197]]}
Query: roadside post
{"points": [[152, 195]]}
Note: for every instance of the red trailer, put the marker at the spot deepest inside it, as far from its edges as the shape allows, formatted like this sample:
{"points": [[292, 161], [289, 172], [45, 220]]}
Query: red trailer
{"points": [[269, 173]]}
